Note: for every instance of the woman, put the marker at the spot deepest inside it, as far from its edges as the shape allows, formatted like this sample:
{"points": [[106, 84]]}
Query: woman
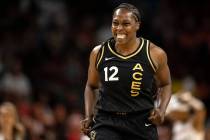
{"points": [[124, 69], [187, 115], [10, 126]]}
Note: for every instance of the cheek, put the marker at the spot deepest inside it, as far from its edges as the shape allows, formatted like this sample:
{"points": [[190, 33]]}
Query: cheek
{"points": [[113, 29], [133, 30]]}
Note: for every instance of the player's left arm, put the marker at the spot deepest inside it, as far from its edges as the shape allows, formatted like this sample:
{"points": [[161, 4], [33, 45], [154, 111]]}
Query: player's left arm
{"points": [[163, 79]]}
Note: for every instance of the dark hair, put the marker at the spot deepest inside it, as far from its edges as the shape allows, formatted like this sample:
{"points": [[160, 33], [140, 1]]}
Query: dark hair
{"points": [[131, 8]]}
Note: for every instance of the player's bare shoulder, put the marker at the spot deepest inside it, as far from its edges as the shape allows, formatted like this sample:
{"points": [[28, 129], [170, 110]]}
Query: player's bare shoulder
{"points": [[158, 55], [95, 53], [96, 50]]}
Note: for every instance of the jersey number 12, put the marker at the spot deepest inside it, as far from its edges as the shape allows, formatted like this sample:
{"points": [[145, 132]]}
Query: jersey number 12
{"points": [[111, 73]]}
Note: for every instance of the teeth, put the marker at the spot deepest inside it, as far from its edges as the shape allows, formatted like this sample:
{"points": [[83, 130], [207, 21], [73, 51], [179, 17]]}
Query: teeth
{"points": [[121, 36]]}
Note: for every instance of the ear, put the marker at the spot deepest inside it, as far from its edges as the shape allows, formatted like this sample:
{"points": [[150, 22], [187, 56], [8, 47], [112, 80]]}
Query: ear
{"points": [[137, 26]]}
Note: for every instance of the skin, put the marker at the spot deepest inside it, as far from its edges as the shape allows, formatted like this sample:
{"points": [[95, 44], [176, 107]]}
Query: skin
{"points": [[198, 117], [125, 24], [8, 116]]}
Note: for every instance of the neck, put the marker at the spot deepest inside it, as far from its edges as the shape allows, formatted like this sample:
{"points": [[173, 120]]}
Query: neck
{"points": [[127, 48]]}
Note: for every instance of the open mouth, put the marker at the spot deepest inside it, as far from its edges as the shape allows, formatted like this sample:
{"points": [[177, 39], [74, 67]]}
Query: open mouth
{"points": [[120, 36]]}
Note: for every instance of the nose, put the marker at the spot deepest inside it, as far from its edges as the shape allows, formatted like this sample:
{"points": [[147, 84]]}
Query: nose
{"points": [[119, 27]]}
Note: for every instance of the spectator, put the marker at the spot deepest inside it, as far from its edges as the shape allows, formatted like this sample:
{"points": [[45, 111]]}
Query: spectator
{"points": [[187, 115], [10, 125]]}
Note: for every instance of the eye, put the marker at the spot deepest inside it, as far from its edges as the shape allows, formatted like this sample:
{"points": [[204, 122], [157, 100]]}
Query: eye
{"points": [[115, 23], [126, 24]]}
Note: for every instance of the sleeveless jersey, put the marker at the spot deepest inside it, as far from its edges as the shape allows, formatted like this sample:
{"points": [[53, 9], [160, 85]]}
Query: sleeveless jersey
{"points": [[126, 81]]}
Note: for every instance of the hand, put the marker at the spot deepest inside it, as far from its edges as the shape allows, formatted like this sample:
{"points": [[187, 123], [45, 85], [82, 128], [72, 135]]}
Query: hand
{"points": [[156, 116], [86, 125]]}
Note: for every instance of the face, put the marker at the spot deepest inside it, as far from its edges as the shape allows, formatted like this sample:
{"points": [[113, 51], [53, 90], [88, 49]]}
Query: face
{"points": [[124, 26], [7, 116]]}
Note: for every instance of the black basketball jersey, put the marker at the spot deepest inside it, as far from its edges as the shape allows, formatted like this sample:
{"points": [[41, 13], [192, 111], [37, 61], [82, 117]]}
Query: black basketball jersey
{"points": [[126, 81]]}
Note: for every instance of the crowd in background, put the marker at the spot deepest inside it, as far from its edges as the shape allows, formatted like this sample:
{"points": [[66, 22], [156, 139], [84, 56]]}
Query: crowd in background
{"points": [[45, 46]]}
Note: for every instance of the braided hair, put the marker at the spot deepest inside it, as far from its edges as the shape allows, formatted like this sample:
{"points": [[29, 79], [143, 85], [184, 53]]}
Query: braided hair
{"points": [[130, 8]]}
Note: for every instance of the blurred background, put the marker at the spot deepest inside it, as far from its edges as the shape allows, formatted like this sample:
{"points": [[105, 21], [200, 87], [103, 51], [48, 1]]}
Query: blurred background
{"points": [[45, 46]]}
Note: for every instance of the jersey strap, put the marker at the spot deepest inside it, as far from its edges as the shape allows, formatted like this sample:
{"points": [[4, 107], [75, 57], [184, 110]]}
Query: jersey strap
{"points": [[149, 56]]}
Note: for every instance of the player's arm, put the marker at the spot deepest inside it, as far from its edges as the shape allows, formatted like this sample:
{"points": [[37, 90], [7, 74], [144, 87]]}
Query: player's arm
{"points": [[89, 93], [163, 79], [92, 84]]}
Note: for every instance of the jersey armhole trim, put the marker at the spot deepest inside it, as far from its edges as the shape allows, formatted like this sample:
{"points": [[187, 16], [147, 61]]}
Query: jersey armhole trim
{"points": [[99, 56], [149, 57]]}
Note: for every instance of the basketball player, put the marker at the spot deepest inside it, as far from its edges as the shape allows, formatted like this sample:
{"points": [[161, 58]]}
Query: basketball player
{"points": [[124, 69]]}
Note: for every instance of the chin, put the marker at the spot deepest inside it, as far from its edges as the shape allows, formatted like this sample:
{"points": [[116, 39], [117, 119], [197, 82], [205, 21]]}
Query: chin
{"points": [[120, 41]]}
